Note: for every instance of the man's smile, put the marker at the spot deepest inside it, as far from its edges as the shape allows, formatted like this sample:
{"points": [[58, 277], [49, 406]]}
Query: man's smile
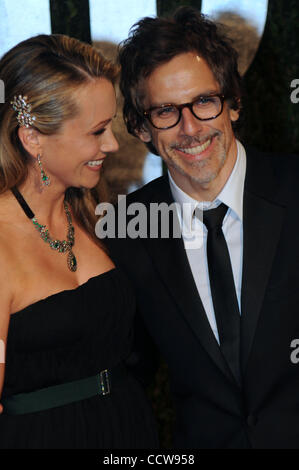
{"points": [[196, 150]]}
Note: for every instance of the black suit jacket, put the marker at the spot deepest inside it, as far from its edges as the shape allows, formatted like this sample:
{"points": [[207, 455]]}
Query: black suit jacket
{"points": [[212, 410]]}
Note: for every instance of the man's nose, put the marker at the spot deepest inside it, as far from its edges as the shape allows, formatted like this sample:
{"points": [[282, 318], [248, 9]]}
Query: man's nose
{"points": [[190, 125]]}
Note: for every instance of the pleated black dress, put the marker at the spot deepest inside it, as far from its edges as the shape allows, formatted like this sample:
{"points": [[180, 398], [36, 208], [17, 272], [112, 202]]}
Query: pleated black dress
{"points": [[68, 336]]}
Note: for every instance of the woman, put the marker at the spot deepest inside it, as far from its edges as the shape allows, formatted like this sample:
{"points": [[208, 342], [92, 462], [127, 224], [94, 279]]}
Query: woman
{"points": [[65, 310]]}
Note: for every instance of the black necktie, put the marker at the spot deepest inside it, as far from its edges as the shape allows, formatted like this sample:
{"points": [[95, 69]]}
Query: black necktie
{"points": [[223, 289]]}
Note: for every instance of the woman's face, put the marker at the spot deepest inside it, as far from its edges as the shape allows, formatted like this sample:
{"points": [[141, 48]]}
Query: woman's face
{"points": [[74, 156]]}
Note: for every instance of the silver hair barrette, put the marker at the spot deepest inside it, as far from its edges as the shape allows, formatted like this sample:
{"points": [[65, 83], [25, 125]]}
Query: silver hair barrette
{"points": [[23, 109]]}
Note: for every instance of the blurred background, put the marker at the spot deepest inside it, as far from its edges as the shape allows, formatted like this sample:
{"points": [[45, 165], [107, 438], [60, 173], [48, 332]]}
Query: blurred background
{"points": [[266, 36]]}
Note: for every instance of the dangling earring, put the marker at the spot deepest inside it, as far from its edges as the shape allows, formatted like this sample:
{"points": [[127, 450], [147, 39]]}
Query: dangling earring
{"points": [[44, 178]]}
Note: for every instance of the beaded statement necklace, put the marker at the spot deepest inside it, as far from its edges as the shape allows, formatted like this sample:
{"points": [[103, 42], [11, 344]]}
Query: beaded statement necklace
{"points": [[64, 246]]}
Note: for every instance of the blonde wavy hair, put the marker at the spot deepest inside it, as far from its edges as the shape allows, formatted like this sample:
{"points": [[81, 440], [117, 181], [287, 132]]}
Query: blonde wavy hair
{"points": [[48, 69]]}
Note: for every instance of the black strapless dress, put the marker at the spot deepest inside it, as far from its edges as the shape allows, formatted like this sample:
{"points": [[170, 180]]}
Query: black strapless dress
{"points": [[68, 336]]}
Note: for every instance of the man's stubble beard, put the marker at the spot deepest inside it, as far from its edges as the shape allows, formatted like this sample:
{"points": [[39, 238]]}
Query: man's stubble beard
{"points": [[197, 168]]}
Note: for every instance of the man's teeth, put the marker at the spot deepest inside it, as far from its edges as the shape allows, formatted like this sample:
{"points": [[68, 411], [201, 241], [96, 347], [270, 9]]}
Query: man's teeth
{"points": [[196, 150], [95, 162]]}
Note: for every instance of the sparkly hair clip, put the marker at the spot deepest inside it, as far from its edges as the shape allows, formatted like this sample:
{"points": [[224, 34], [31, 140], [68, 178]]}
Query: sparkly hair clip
{"points": [[23, 109]]}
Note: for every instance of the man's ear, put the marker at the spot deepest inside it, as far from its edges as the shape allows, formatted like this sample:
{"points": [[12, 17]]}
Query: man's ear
{"points": [[144, 134], [30, 139], [234, 113]]}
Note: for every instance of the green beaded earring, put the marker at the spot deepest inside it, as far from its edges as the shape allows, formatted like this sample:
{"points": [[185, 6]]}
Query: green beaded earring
{"points": [[44, 178]]}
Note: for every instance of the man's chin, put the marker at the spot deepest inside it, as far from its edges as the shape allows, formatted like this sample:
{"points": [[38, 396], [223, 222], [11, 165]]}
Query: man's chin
{"points": [[197, 173], [203, 179]]}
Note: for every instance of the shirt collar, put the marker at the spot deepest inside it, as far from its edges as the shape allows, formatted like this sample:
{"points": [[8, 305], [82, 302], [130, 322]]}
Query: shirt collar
{"points": [[231, 194]]}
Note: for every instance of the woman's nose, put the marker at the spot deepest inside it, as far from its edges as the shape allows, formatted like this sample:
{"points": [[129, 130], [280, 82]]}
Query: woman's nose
{"points": [[109, 142]]}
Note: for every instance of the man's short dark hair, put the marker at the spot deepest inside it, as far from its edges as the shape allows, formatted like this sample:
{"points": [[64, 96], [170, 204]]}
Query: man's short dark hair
{"points": [[155, 41]]}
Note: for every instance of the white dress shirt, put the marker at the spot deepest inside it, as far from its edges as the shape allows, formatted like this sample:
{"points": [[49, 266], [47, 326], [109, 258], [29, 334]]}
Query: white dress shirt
{"points": [[195, 233]]}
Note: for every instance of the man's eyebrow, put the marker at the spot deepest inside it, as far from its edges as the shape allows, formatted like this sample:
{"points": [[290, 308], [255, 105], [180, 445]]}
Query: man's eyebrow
{"points": [[205, 93], [209, 92]]}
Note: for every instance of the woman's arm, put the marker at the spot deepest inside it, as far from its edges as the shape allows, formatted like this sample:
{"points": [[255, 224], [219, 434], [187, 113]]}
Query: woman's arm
{"points": [[4, 322], [5, 308]]}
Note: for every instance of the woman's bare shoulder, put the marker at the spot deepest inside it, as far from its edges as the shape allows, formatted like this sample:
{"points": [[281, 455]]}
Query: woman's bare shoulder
{"points": [[9, 224], [6, 295], [6, 271], [6, 251]]}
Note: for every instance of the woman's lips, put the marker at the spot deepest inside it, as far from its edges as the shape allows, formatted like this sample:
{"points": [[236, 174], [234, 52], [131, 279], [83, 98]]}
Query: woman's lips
{"points": [[95, 165]]}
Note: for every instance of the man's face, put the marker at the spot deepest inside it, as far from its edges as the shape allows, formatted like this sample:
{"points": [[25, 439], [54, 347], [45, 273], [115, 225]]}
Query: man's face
{"points": [[196, 152]]}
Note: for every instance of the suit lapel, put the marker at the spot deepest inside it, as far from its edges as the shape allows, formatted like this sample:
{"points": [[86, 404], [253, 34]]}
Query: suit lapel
{"points": [[171, 262], [262, 223]]}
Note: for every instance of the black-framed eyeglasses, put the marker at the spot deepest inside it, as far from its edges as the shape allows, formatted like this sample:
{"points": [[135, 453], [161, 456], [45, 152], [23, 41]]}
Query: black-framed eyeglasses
{"points": [[204, 108]]}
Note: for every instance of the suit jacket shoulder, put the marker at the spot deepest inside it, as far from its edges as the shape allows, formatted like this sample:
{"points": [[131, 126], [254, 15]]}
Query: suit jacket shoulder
{"points": [[272, 175], [157, 190]]}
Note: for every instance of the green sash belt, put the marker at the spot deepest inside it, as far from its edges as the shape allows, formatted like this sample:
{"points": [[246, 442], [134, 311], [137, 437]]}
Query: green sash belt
{"points": [[63, 394]]}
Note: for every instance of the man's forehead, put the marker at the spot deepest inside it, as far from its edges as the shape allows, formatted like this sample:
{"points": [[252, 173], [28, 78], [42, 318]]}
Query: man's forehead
{"points": [[179, 80]]}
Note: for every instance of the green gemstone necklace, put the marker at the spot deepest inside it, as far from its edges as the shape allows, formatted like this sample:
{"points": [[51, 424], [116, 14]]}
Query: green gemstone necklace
{"points": [[64, 246]]}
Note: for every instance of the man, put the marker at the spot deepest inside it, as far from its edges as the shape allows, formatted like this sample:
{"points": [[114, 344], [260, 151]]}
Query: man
{"points": [[220, 302]]}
